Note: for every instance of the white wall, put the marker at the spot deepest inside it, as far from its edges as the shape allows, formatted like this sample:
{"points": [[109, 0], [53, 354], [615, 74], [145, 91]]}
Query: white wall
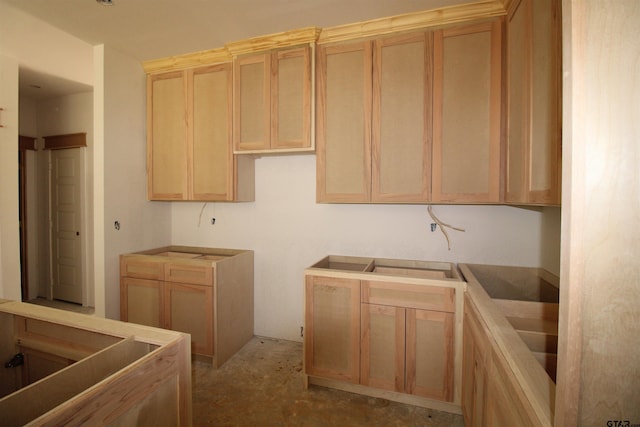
{"points": [[143, 224], [288, 231], [9, 234]]}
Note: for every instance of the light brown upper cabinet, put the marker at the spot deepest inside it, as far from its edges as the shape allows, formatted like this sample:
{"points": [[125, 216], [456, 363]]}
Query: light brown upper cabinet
{"points": [[401, 137], [189, 147], [466, 114], [343, 123], [533, 148], [273, 101], [373, 120]]}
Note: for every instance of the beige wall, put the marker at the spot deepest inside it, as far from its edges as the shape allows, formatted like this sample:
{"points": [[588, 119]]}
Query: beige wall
{"points": [[42, 47], [143, 224], [46, 49], [9, 237]]}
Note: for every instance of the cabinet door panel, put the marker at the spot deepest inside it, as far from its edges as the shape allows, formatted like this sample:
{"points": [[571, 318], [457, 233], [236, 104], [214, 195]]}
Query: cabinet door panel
{"points": [[533, 103], [402, 118], [141, 301], [291, 98], [166, 136], [467, 99], [518, 75], [429, 364], [189, 308], [476, 353], [344, 123], [332, 322], [252, 121], [382, 347], [212, 154], [503, 404], [545, 104]]}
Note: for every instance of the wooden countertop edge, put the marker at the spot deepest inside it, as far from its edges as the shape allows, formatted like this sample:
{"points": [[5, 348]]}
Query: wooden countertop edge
{"points": [[92, 323], [195, 249], [536, 384], [387, 277]]}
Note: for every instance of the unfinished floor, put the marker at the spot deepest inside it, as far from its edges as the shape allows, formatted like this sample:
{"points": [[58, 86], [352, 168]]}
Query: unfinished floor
{"points": [[262, 386]]}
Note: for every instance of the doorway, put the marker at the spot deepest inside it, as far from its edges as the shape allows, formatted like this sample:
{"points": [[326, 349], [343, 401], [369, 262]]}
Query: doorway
{"points": [[53, 257]]}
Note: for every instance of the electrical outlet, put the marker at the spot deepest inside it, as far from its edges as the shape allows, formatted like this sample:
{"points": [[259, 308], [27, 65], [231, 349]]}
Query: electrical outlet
{"points": [[213, 221], [302, 331]]}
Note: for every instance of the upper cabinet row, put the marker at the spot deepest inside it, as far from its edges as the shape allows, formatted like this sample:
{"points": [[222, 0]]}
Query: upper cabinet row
{"points": [[465, 113], [413, 118]]}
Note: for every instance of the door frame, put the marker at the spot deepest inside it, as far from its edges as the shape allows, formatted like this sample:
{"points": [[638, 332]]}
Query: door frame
{"points": [[24, 143]]}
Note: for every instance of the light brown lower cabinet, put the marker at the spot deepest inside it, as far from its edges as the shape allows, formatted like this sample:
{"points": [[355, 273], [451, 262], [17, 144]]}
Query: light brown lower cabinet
{"points": [[490, 396], [385, 335], [207, 293], [407, 349], [85, 370], [476, 355]]}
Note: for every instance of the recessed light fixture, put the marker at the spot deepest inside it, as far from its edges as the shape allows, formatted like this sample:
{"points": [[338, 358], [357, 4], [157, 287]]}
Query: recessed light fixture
{"points": [[105, 2]]}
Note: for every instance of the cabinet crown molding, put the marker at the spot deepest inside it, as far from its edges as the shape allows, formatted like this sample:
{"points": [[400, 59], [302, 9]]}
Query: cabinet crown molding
{"points": [[414, 21], [189, 60], [482, 9], [274, 41]]}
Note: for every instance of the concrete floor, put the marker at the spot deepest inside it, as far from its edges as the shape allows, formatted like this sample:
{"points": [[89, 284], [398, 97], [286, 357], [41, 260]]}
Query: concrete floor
{"points": [[262, 386]]}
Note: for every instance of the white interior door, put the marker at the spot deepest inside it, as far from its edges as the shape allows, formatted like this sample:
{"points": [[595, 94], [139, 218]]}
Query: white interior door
{"points": [[66, 242]]}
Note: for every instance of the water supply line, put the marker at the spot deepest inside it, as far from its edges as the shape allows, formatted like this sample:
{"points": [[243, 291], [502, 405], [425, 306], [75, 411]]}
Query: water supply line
{"points": [[443, 226]]}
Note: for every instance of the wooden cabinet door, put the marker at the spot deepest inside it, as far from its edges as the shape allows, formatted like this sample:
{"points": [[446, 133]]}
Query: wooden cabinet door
{"points": [[291, 99], [189, 308], [429, 354], [211, 161], [475, 364], [273, 101], [533, 103], [382, 348], [503, 406], [467, 111], [167, 136], [141, 301], [252, 94], [343, 123], [401, 135], [332, 328]]}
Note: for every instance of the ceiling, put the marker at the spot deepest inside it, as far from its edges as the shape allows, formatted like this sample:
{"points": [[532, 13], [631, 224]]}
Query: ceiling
{"points": [[152, 29]]}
